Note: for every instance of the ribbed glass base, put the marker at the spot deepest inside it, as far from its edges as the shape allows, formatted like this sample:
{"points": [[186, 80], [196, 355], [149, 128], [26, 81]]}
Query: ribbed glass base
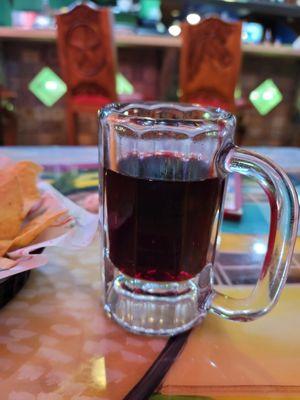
{"points": [[158, 308]]}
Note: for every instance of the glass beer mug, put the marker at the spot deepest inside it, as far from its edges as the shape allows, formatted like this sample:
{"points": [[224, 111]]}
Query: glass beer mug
{"points": [[163, 170]]}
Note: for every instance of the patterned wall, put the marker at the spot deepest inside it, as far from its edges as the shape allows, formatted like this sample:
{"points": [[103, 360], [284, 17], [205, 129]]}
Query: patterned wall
{"points": [[38, 124]]}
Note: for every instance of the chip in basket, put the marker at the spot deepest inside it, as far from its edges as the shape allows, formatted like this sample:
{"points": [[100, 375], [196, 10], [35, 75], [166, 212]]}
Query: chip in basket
{"points": [[27, 173], [11, 206], [19, 195]]}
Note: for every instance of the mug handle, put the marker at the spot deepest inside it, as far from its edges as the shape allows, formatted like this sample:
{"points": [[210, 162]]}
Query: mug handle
{"points": [[284, 209]]}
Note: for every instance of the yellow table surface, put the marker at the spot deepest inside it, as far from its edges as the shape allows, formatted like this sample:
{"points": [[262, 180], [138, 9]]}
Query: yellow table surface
{"points": [[235, 360]]}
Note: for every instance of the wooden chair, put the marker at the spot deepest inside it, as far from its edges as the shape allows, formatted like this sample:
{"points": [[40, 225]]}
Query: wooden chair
{"points": [[210, 62], [8, 118], [87, 59]]}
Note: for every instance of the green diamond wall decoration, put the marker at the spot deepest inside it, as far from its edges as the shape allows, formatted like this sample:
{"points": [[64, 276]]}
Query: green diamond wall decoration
{"points": [[123, 85], [237, 93], [47, 86], [265, 97]]}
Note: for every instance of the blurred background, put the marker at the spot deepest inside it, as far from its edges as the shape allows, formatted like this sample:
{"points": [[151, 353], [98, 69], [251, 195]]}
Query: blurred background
{"points": [[52, 81]]}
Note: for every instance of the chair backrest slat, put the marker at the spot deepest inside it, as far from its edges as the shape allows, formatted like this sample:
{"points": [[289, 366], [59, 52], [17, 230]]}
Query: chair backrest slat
{"points": [[86, 51], [210, 61]]}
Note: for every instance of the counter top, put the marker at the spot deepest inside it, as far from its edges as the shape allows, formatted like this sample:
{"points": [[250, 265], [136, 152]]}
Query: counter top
{"points": [[134, 39], [56, 343]]}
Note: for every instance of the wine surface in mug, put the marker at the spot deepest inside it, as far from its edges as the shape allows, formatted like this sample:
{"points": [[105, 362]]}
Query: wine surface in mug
{"points": [[161, 214]]}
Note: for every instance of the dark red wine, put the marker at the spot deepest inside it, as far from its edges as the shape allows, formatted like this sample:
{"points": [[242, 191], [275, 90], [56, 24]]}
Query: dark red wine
{"points": [[160, 223]]}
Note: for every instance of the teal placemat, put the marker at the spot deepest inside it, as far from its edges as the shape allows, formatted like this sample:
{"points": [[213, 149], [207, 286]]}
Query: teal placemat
{"points": [[254, 221]]}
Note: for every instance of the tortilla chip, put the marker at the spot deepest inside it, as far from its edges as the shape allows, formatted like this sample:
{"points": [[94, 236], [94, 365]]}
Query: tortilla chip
{"points": [[4, 246], [7, 263], [34, 228], [11, 206], [27, 173]]}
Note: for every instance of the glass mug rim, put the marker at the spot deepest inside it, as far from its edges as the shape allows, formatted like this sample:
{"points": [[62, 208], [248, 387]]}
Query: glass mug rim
{"points": [[209, 114]]}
